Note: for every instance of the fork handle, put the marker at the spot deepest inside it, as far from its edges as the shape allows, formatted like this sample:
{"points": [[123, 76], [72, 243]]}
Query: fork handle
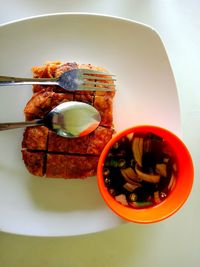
{"points": [[7, 81]]}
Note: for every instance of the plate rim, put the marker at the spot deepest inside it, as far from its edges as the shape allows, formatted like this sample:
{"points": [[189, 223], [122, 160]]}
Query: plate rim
{"points": [[92, 14]]}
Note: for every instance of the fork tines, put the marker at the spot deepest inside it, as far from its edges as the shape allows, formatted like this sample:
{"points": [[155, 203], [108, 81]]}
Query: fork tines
{"points": [[96, 78], [96, 75], [88, 72], [88, 88]]}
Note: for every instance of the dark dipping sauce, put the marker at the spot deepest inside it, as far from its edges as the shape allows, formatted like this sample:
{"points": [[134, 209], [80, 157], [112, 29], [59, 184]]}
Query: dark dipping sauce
{"points": [[140, 170]]}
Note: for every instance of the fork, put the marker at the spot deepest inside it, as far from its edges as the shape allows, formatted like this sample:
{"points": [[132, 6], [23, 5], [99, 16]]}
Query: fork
{"points": [[72, 80]]}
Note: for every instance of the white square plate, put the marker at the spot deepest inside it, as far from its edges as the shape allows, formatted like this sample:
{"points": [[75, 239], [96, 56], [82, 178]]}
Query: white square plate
{"points": [[146, 94]]}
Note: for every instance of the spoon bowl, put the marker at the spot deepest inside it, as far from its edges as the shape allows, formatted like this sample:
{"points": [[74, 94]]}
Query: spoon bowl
{"points": [[69, 119]]}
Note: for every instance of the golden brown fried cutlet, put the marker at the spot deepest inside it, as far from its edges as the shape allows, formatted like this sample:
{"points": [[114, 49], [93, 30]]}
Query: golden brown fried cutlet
{"points": [[47, 154]]}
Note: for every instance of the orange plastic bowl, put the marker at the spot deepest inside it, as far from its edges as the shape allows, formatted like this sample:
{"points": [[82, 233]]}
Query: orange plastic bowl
{"points": [[174, 200]]}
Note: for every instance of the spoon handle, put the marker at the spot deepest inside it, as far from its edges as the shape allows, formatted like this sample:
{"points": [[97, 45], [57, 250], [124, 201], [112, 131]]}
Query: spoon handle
{"points": [[6, 81], [15, 125]]}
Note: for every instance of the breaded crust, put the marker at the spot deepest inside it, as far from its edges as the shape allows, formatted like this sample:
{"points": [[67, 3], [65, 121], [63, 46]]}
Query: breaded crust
{"points": [[47, 154]]}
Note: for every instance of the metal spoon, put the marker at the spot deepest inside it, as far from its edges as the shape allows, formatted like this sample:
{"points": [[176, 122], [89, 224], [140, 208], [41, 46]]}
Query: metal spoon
{"points": [[69, 119]]}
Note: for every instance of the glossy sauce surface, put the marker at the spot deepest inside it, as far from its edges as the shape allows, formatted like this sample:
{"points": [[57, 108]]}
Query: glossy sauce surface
{"points": [[140, 170]]}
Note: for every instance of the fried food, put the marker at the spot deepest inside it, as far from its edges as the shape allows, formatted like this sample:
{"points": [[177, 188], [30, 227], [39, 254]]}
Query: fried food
{"points": [[47, 154]]}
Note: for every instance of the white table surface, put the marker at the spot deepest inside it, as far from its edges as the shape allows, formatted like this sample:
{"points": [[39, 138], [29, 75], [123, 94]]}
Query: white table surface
{"points": [[176, 241]]}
